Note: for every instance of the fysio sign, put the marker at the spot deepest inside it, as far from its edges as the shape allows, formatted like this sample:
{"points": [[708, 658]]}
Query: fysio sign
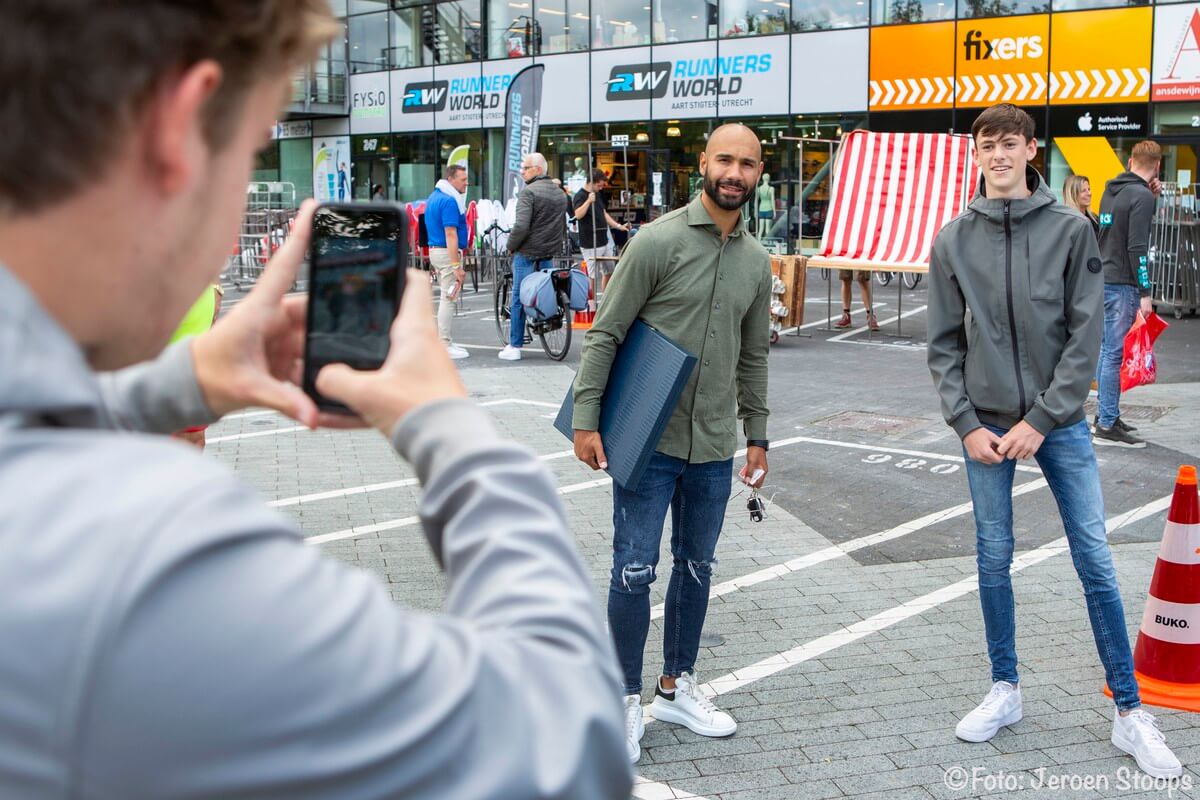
{"points": [[369, 104], [421, 98]]}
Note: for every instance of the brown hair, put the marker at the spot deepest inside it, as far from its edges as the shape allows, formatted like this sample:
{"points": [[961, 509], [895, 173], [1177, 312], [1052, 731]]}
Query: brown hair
{"points": [[76, 73], [453, 170], [1146, 154], [1001, 120]]}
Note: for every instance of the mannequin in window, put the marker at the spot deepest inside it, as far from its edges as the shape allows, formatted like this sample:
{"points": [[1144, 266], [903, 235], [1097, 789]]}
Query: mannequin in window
{"points": [[766, 205]]}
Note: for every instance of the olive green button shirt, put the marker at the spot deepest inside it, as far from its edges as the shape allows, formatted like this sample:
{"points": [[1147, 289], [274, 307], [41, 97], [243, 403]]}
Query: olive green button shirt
{"points": [[711, 296]]}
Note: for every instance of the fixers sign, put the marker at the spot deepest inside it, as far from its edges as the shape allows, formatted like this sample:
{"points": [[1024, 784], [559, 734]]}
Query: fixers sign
{"points": [[1100, 56], [1002, 60], [1176, 53], [912, 66]]}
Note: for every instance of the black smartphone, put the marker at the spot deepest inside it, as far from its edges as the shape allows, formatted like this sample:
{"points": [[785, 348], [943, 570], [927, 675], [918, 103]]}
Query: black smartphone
{"points": [[357, 256]]}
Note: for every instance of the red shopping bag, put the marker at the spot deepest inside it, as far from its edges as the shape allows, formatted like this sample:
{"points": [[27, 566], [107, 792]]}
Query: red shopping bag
{"points": [[1139, 366]]}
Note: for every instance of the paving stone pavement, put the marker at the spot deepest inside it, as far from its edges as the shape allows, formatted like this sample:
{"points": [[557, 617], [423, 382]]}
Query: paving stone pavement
{"points": [[863, 716]]}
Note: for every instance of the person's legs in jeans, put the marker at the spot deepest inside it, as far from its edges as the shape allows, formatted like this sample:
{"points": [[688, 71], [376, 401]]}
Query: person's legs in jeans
{"points": [[1068, 463], [991, 494], [522, 267], [697, 514], [1120, 308], [638, 516]]}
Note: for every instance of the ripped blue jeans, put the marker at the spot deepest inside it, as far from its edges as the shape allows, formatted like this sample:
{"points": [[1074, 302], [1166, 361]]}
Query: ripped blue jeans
{"points": [[697, 495]]}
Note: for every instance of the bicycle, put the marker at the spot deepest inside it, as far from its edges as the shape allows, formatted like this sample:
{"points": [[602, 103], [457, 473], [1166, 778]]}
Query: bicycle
{"points": [[491, 249], [555, 332]]}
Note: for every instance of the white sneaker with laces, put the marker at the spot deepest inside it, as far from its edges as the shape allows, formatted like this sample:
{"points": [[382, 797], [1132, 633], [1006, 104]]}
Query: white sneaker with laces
{"points": [[510, 353], [1001, 707], [635, 727], [688, 707], [1137, 733], [456, 352]]}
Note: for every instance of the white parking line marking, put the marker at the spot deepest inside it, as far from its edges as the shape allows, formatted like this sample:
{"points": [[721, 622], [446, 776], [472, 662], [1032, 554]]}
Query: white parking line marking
{"points": [[887, 321], [515, 401], [378, 487], [407, 522], [845, 548], [256, 434], [885, 619], [893, 450], [245, 414]]}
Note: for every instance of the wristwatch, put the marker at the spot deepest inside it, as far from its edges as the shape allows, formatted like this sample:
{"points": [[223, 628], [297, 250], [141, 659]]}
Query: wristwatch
{"points": [[763, 443]]}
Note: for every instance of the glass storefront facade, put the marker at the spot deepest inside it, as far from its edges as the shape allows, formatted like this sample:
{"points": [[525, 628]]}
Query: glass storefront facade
{"points": [[664, 73]]}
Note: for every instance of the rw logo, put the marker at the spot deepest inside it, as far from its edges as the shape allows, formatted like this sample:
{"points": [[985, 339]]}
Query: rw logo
{"points": [[420, 98], [638, 81]]}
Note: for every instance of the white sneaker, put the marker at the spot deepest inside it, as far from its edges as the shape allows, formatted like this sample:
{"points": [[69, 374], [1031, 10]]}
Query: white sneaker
{"points": [[688, 707], [457, 352], [509, 353], [1137, 734], [635, 727], [1001, 707]]}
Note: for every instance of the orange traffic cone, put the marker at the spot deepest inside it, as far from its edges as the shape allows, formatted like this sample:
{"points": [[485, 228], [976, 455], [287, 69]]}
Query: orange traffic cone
{"points": [[1166, 660], [583, 319]]}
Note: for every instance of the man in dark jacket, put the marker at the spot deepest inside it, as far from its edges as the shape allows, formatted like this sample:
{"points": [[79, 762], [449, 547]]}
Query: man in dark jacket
{"points": [[1126, 214], [1012, 382], [537, 236]]}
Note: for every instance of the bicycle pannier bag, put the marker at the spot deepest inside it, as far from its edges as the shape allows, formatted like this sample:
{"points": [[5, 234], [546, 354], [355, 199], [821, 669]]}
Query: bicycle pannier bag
{"points": [[579, 290], [537, 296]]}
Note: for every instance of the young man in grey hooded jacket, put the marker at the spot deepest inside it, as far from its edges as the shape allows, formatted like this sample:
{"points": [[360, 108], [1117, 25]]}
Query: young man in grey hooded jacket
{"points": [[164, 634], [1012, 378]]}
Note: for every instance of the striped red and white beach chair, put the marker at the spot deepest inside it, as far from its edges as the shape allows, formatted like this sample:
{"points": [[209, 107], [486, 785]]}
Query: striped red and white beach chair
{"points": [[892, 193]]}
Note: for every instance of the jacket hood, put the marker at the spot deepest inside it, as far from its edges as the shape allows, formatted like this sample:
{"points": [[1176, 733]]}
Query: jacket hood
{"points": [[43, 373], [993, 208], [1123, 181]]}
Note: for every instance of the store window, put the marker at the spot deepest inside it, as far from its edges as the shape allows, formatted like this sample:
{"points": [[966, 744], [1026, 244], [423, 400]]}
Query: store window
{"points": [[620, 23], [413, 34], [266, 163], [1001, 8], [897, 12], [374, 166], [813, 143], [369, 43], [754, 17], [459, 32], [338, 7], [326, 82], [513, 30], [365, 6], [1177, 118], [416, 166], [683, 141], [563, 25], [450, 142], [820, 15], [684, 20], [1079, 5], [296, 165]]}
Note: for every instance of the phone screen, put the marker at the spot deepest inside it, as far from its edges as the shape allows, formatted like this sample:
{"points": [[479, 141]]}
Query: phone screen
{"points": [[356, 277]]}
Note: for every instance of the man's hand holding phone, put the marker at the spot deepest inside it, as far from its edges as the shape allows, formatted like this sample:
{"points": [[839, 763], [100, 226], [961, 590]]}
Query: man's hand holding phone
{"points": [[418, 370], [254, 355]]}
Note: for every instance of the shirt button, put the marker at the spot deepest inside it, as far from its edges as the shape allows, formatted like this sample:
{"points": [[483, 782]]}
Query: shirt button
{"points": [[700, 391], [712, 335], [706, 363], [718, 306]]}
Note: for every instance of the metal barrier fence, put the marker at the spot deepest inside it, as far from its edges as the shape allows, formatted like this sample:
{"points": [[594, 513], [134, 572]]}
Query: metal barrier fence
{"points": [[270, 213], [1175, 250]]}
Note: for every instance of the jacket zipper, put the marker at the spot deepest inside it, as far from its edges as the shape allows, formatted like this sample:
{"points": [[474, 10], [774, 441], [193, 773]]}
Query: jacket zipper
{"points": [[1012, 314]]}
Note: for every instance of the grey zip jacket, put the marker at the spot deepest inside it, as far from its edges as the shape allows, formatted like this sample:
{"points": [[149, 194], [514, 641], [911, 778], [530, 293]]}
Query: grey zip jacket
{"points": [[540, 227], [1029, 273], [163, 634]]}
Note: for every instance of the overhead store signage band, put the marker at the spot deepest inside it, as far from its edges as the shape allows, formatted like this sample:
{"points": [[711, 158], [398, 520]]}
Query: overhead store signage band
{"points": [[522, 117]]}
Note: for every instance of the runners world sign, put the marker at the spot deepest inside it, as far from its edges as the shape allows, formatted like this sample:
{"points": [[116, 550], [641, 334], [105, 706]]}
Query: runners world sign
{"points": [[692, 80]]}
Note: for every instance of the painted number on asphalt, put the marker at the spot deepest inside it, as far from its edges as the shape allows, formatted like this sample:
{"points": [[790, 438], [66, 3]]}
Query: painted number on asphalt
{"points": [[911, 463]]}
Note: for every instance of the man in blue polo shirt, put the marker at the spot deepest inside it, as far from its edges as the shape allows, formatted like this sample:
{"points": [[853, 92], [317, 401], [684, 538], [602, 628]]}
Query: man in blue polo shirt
{"points": [[446, 226]]}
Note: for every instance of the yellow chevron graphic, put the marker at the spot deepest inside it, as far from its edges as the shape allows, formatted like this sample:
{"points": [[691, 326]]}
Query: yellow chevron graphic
{"points": [[1094, 157]]}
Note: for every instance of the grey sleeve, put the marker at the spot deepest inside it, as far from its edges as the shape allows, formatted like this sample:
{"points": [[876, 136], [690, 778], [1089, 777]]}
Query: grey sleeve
{"points": [[159, 396], [948, 346], [249, 665], [1073, 375], [752, 364], [524, 215], [1141, 220]]}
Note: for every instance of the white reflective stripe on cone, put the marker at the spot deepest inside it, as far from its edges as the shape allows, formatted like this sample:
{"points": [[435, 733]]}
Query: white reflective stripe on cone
{"points": [[1180, 544], [1178, 623]]}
